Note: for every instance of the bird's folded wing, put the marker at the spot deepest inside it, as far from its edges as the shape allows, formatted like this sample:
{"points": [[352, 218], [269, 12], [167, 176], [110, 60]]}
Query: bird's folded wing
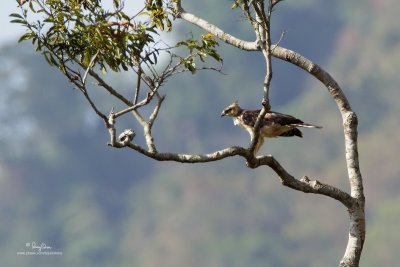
{"points": [[282, 119], [249, 117]]}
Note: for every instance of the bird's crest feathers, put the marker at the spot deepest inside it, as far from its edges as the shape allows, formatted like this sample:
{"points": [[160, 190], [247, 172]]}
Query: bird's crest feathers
{"points": [[233, 110]]}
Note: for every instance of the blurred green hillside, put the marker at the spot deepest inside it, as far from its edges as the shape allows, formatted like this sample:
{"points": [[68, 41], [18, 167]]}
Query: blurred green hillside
{"points": [[60, 184]]}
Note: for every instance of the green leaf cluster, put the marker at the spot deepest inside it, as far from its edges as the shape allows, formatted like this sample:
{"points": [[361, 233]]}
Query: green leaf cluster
{"points": [[84, 31], [160, 12], [200, 49]]}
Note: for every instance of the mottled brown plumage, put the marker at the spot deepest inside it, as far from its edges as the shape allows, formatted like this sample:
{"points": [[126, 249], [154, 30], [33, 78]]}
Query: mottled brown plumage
{"points": [[274, 124]]}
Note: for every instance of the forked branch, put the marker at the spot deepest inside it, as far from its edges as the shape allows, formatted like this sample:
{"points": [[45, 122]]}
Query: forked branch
{"points": [[356, 211], [154, 78]]}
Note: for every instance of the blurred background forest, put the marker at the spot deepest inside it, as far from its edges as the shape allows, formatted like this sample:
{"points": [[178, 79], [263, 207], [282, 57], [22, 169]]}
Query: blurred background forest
{"points": [[60, 184]]}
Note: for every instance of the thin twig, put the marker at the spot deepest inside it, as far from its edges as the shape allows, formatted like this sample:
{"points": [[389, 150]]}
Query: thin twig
{"points": [[89, 67], [109, 88], [142, 103], [137, 91], [156, 110], [77, 80], [279, 41]]}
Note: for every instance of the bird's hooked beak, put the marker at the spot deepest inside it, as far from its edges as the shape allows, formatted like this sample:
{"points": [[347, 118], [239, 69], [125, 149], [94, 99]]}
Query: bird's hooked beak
{"points": [[223, 113]]}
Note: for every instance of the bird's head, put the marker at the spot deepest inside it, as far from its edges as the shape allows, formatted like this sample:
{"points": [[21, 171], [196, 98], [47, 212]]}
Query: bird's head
{"points": [[233, 110]]}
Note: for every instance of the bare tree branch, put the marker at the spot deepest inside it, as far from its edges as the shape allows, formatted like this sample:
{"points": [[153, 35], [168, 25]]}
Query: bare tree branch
{"points": [[109, 88], [264, 35], [357, 217], [154, 78], [187, 158], [303, 185], [142, 103], [89, 67], [154, 114], [146, 131], [350, 122], [79, 81], [137, 91], [244, 45]]}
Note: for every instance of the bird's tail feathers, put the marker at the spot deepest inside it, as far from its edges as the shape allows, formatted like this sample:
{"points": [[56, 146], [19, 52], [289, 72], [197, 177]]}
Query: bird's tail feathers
{"points": [[306, 125]]}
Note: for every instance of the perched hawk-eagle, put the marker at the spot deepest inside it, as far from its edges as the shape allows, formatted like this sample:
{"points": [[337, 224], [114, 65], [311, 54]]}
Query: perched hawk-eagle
{"points": [[274, 124]]}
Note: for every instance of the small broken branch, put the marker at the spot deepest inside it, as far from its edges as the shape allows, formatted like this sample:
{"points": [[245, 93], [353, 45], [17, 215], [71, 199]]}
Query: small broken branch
{"points": [[126, 136], [111, 128]]}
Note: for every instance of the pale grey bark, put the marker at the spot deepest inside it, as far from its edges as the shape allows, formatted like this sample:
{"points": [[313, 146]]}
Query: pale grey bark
{"points": [[354, 202], [357, 209], [260, 19]]}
